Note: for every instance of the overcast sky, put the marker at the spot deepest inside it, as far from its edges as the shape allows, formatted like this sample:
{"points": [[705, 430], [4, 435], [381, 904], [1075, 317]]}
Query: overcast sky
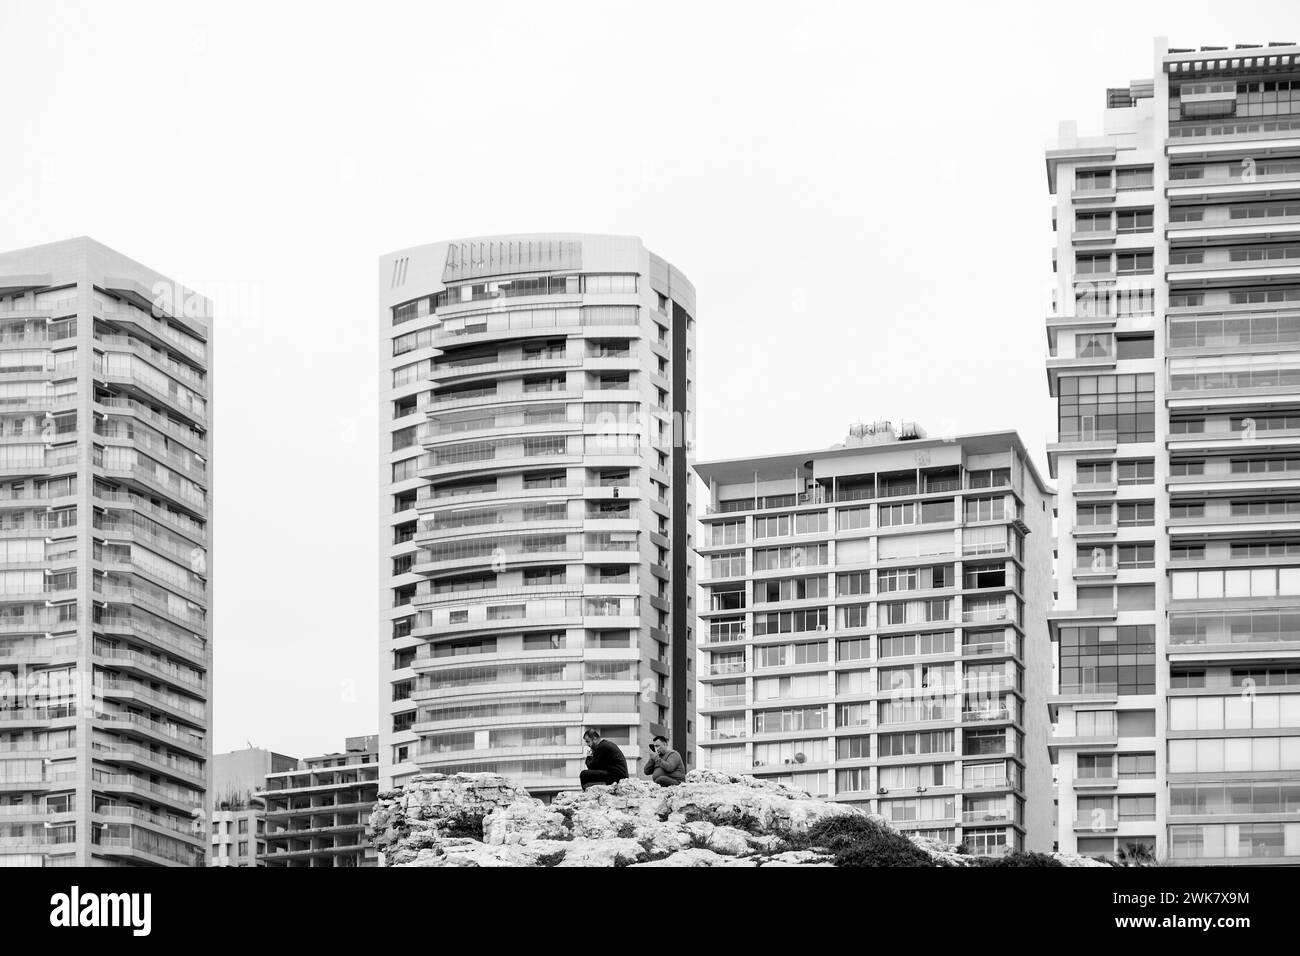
{"points": [[856, 190]]}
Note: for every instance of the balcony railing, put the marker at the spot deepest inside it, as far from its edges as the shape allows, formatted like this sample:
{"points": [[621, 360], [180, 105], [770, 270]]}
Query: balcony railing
{"points": [[1097, 822], [980, 817], [987, 649], [980, 615], [727, 667], [986, 714], [726, 632], [725, 700]]}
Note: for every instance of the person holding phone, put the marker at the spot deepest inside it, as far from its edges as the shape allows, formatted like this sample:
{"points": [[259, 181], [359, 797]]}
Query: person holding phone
{"points": [[605, 764], [665, 767]]}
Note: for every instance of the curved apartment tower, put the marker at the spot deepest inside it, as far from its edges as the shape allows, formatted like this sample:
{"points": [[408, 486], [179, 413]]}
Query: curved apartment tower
{"points": [[105, 491], [536, 508], [1174, 352]]}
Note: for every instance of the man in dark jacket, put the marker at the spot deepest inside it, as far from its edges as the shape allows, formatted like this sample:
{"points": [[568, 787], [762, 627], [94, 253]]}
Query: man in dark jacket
{"points": [[606, 764], [665, 767]]}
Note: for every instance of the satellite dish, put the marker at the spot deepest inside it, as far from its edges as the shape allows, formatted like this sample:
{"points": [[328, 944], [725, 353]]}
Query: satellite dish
{"points": [[800, 758]]}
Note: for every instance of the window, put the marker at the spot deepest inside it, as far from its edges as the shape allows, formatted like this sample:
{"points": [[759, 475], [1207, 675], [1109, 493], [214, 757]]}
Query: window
{"points": [[916, 645], [935, 511], [1137, 471], [853, 748], [1092, 222], [1133, 514], [790, 589], [1133, 220], [799, 556], [1092, 179], [1107, 407], [1086, 264], [729, 532], [1138, 177], [985, 509], [853, 582], [913, 579], [786, 655], [1142, 555], [853, 649], [1092, 473], [1134, 263], [851, 519], [1111, 659], [1134, 347], [1092, 345]]}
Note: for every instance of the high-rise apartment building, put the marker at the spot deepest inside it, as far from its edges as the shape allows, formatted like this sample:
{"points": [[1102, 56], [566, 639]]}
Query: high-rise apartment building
{"points": [[105, 560], [318, 814], [874, 630], [1175, 363], [536, 507]]}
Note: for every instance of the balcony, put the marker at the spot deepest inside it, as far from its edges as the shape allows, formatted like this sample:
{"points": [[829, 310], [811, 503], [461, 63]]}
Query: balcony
{"points": [[34, 716], [491, 366], [985, 817], [988, 649], [1093, 194], [737, 735], [1187, 135], [724, 632], [728, 667], [985, 614], [133, 660], [193, 648], [1095, 530], [1097, 822], [1093, 235], [723, 702], [1070, 740], [184, 523], [124, 722], [143, 692], [182, 432], [121, 312], [153, 762], [1096, 783], [491, 395], [986, 715]]}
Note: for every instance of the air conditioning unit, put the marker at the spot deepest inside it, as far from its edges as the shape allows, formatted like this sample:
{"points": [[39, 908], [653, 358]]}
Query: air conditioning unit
{"points": [[882, 790], [821, 627], [921, 789], [787, 760]]}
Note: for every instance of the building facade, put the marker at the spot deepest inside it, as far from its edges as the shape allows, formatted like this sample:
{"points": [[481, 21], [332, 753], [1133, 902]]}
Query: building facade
{"points": [[236, 829], [1174, 347], [535, 507], [319, 813], [105, 560], [874, 630]]}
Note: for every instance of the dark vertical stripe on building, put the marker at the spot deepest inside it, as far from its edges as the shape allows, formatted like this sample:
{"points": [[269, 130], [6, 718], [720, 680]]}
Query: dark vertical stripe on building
{"points": [[680, 526]]}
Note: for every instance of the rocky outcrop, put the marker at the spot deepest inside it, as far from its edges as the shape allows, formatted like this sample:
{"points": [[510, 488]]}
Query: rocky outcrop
{"points": [[713, 819]]}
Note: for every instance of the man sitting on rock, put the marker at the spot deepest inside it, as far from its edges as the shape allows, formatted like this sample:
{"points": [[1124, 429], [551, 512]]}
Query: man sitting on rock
{"points": [[665, 767], [606, 764]]}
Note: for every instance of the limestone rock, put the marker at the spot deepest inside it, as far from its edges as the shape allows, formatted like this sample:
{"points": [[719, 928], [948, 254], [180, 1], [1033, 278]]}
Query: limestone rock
{"points": [[712, 819], [689, 857]]}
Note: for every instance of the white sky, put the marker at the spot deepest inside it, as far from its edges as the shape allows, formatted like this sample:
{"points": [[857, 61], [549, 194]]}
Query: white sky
{"points": [[856, 190]]}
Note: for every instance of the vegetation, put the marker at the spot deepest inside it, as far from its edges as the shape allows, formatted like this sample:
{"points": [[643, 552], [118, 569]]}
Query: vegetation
{"points": [[1017, 859], [861, 841]]}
